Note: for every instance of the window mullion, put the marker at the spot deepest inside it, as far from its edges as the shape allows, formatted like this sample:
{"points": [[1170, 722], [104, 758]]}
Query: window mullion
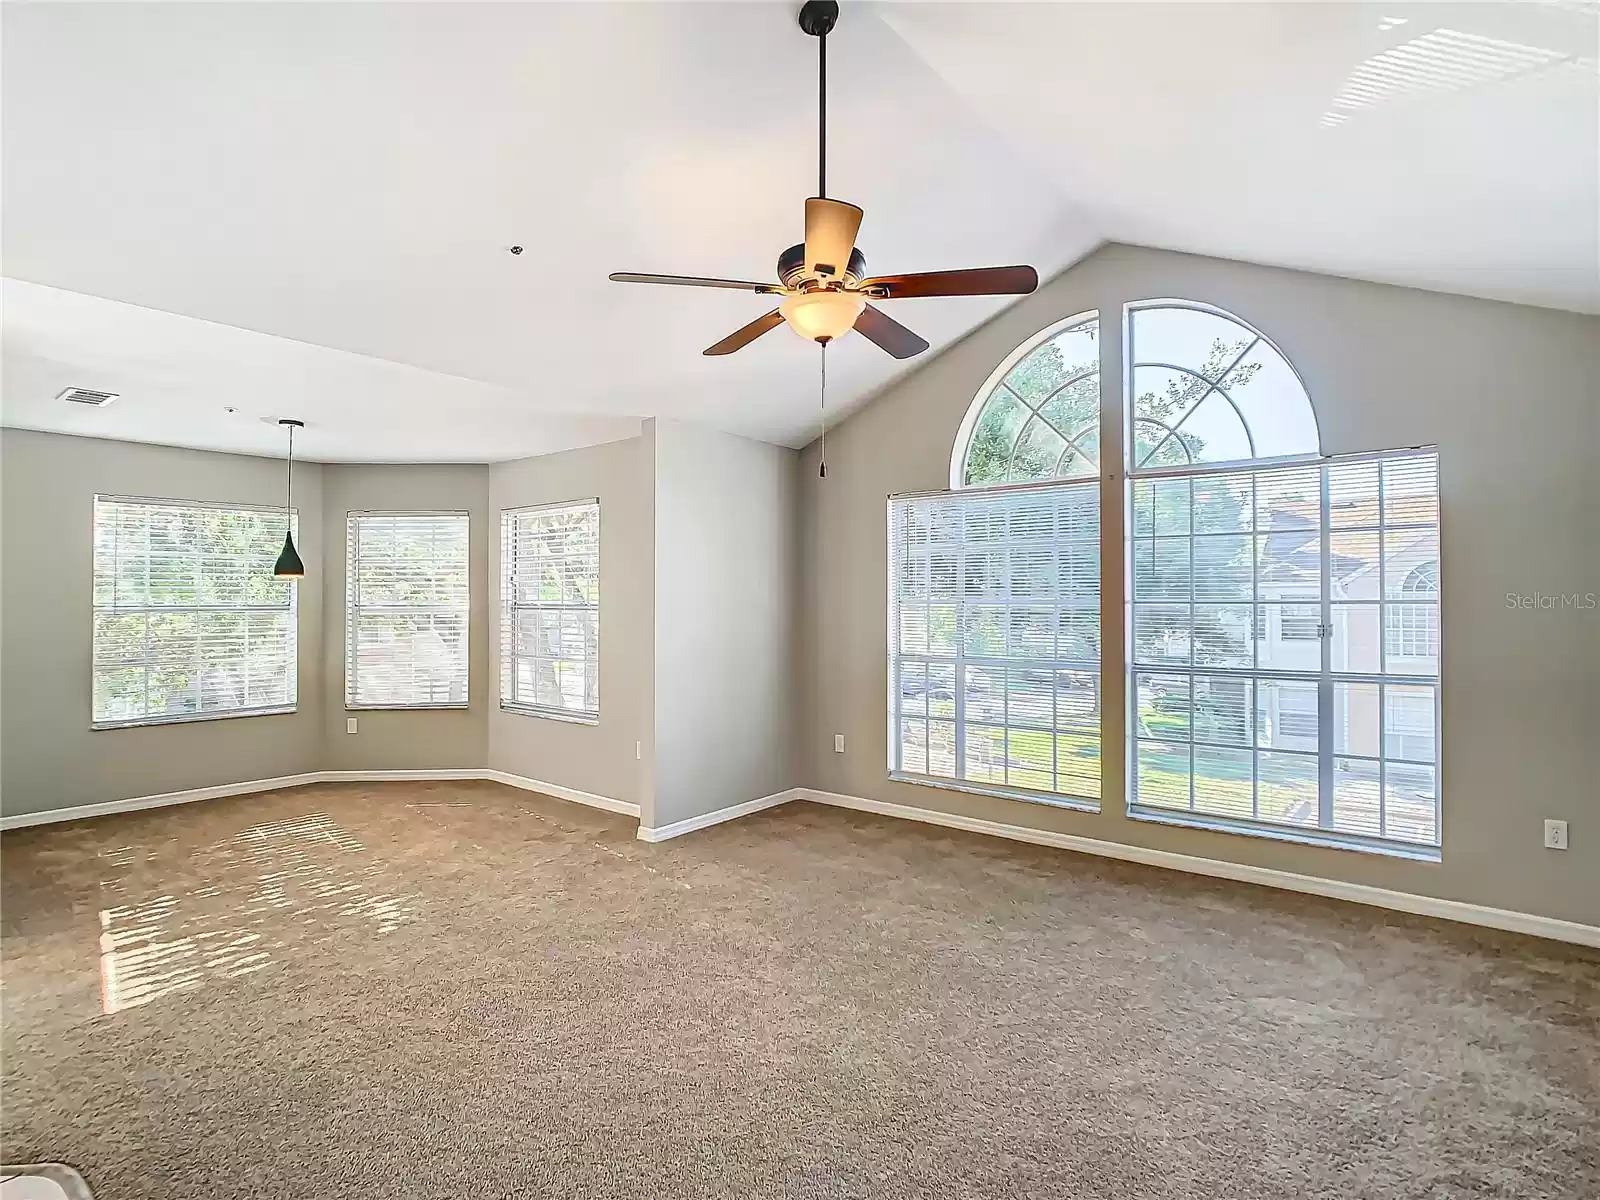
{"points": [[1325, 738], [898, 559], [1252, 715], [1189, 506], [963, 627], [1055, 688]]}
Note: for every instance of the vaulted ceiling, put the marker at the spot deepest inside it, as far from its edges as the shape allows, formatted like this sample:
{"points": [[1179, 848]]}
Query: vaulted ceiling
{"points": [[317, 200]]}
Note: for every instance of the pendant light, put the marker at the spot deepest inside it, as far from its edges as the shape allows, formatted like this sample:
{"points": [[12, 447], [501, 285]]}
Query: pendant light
{"points": [[289, 565]]}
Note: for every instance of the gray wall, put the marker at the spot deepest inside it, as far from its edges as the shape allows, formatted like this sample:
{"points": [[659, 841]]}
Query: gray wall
{"points": [[592, 758], [726, 558], [1511, 396], [421, 738], [49, 757]]}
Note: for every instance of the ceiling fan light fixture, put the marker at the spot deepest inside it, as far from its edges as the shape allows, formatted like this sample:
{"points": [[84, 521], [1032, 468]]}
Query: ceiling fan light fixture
{"points": [[822, 315], [824, 279]]}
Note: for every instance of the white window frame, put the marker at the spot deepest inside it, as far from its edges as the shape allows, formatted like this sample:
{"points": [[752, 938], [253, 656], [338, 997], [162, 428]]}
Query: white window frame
{"points": [[290, 611], [1315, 618], [997, 383], [960, 660], [510, 607], [1409, 632], [1326, 678], [355, 607]]}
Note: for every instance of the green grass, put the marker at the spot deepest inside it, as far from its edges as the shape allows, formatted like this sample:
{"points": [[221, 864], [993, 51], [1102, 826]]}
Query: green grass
{"points": [[1284, 789]]}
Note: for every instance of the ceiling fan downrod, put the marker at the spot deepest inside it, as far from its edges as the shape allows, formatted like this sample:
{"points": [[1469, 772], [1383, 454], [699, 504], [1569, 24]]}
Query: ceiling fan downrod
{"points": [[817, 18]]}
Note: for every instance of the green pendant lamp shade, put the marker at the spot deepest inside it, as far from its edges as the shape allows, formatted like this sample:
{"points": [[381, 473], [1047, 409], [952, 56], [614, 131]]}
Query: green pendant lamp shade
{"points": [[289, 565]]}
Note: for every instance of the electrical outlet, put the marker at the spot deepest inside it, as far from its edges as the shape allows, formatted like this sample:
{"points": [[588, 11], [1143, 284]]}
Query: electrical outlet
{"points": [[349, 724], [1555, 835], [838, 743]]}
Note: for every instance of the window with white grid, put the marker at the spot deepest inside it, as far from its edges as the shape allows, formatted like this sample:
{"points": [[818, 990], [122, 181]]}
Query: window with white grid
{"points": [[1412, 630], [550, 610], [406, 610], [1283, 612], [1334, 736], [189, 621], [994, 630]]}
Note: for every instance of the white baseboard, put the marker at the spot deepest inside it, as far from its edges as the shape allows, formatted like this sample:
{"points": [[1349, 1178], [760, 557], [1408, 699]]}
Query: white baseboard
{"points": [[733, 812], [394, 776], [1427, 906], [136, 803], [592, 799]]}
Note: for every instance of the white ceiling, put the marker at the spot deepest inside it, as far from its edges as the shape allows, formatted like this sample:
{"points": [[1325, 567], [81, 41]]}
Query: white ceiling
{"points": [[1451, 146], [315, 200], [216, 387]]}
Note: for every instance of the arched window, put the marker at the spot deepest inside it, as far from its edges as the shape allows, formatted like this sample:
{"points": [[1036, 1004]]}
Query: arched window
{"points": [[1208, 388], [1283, 608], [995, 591], [1038, 416], [1413, 624], [1422, 581]]}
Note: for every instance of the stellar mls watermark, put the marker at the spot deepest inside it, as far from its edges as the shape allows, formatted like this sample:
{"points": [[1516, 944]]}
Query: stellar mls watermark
{"points": [[1551, 601]]}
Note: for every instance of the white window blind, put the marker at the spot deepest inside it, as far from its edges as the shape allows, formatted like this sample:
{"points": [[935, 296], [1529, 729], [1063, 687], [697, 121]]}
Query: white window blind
{"points": [[1330, 727], [994, 634], [406, 610], [189, 621], [550, 610]]}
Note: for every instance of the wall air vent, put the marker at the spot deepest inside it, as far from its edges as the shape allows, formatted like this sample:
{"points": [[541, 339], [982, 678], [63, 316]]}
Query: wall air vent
{"points": [[87, 396]]}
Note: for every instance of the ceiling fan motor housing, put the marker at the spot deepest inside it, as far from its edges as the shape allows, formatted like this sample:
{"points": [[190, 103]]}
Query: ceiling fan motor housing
{"points": [[792, 269], [817, 17]]}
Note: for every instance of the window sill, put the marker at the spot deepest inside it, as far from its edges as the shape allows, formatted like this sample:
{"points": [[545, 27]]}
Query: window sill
{"points": [[568, 718], [405, 707], [1278, 833], [190, 718], [999, 793]]}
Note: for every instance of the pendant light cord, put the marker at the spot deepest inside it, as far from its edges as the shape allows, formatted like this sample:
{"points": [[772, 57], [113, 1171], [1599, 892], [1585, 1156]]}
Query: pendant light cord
{"points": [[288, 508], [822, 411]]}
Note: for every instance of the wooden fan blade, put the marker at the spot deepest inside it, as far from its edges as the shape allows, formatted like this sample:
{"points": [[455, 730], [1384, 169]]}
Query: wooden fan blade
{"points": [[741, 338], [831, 228], [979, 281], [697, 281], [888, 334]]}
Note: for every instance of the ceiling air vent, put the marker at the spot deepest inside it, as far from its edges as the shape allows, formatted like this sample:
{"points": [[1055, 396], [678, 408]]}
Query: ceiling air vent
{"points": [[87, 396]]}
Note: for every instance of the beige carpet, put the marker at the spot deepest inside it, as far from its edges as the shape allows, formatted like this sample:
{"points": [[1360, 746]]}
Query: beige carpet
{"points": [[460, 990]]}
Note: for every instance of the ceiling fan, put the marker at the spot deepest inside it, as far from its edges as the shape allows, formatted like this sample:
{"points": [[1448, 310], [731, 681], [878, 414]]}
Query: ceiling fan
{"points": [[825, 287]]}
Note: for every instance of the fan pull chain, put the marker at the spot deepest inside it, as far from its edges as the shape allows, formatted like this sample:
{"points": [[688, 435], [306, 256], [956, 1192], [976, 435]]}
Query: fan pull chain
{"points": [[822, 412]]}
